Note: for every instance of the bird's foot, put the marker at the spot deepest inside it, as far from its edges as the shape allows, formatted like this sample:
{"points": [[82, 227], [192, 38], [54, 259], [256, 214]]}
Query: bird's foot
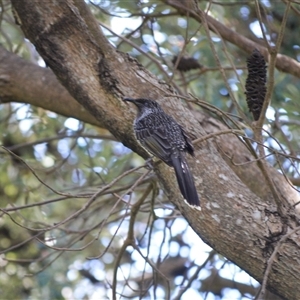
{"points": [[149, 163]]}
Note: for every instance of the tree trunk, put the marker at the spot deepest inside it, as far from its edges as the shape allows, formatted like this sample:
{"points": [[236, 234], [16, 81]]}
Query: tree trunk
{"points": [[239, 217]]}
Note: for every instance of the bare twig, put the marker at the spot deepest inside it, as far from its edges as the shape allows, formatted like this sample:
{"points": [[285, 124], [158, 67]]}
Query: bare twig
{"points": [[271, 260]]}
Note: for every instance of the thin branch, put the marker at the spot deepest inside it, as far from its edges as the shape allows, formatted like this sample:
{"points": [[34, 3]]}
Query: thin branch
{"points": [[259, 124], [129, 241], [283, 63], [261, 294], [194, 276], [212, 135]]}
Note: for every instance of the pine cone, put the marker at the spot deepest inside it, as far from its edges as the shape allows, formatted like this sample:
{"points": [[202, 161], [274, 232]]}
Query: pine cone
{"points": [[186, 63], [256, 83]]}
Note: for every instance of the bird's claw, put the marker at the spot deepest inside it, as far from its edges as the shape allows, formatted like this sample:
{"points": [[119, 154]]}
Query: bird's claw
{"points": [[149, 163]]}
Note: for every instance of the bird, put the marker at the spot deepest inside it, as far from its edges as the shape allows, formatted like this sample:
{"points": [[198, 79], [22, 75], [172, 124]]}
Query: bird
{"points": [[164, 138]]}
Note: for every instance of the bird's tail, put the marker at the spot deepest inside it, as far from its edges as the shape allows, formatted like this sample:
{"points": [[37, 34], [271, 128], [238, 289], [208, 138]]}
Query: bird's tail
{"points": [[185, 180]]}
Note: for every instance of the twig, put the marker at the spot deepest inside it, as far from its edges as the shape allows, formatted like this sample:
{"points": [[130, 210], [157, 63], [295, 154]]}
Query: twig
{"points": [[283, 63], [212, 135], [203, 18], [194, 276], [260, 295], [129, 241], [259, 124]]}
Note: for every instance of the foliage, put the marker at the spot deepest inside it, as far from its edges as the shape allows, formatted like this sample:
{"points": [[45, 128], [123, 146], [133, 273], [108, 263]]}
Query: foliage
{"points": [[83, 214]]}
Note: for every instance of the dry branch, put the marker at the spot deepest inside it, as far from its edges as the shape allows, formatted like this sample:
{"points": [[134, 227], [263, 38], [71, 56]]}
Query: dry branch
{"points": [[234, 220]]}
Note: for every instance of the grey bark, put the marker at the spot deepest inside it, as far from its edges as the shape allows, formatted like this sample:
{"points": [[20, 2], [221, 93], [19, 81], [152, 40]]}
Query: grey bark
{"points": [[238, 218]]}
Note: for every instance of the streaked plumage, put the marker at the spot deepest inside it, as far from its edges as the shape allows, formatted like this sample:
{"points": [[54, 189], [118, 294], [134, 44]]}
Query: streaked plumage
{"points": [[162, 136]]}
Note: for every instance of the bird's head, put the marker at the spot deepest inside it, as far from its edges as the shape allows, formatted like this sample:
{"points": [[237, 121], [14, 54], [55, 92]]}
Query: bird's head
{"points": [[144, 104]]}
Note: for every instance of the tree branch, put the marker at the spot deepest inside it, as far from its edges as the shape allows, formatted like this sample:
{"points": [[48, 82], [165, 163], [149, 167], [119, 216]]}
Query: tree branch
{"points": [[41, 88], [233, 220], [283, 63]]}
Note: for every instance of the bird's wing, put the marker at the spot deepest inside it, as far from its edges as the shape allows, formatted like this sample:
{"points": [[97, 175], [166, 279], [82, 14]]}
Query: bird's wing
{"points": [[189, 148], [156, 142]]}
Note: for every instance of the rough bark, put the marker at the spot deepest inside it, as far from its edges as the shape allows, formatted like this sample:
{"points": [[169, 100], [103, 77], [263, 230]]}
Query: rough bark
{"points": [[41, 88], [234, 220]]}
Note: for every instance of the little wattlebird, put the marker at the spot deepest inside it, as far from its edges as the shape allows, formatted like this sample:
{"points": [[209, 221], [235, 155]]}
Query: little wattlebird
{"points": [[163, 137]]}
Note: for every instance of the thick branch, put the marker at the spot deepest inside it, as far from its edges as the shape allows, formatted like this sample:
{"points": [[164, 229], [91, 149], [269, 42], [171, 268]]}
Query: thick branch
{"points": [[41, 88], [283, 63], [233, 220]]}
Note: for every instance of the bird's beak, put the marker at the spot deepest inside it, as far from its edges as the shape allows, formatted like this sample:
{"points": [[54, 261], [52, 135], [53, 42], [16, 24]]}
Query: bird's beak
{"points": [[128, 99], [131, 100]]}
